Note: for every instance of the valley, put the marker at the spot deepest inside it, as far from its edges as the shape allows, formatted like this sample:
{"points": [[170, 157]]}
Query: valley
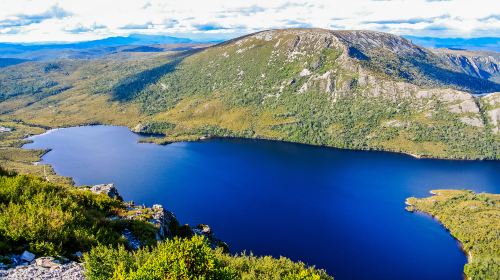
{"points": [[236, 114], [347, 89]]}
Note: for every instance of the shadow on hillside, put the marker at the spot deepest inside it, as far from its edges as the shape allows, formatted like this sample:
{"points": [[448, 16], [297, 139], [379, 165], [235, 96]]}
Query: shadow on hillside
{"points": [[459, 80], [129, 87]]}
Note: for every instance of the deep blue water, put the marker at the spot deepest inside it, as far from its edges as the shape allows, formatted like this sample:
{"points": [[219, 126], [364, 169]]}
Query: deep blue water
{"points": [[340, 210]]}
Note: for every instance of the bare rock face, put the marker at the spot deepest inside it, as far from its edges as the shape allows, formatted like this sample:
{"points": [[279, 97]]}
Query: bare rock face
{"points": [[491, 107], [494, 116], [133, 242], [107, 189], [480, 64], [163, 219]]}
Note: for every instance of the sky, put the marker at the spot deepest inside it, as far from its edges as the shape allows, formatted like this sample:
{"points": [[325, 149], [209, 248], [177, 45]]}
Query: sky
{"points": [[77, 20]]}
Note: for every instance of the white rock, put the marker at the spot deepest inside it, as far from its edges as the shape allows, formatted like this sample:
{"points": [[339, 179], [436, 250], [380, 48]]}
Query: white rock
{"points": [[107, 189], [305, 72], [5, 129], [48, 262]]}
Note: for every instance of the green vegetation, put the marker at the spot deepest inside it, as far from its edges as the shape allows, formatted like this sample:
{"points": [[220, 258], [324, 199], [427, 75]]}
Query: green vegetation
{"points": [[54, 219], [306, 86], [13, 157], [473, 219], [255, 88], [190, 259], [59, 220]]}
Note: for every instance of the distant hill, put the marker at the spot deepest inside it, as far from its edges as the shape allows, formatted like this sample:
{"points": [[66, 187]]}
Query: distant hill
{"points": [[134, 39], [482, 43], [143, 49], [92, 48], [347, 89]]}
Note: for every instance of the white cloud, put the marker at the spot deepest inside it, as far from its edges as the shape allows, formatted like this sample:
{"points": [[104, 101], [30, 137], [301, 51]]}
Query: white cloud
{"points": [[72, 20]]}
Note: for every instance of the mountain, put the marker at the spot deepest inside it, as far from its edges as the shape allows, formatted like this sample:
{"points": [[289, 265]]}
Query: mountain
{"points": [[4, 62], [133, 39], [347, 89], [95, 47], [481, 43], [479, 64]]}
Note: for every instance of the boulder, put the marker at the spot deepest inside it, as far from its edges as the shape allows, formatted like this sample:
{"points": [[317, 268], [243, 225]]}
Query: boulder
{"points": [[27, 256], [48, 262], [78, 255], [5, 129], [107, 189], [139, 128], [204, 229]]}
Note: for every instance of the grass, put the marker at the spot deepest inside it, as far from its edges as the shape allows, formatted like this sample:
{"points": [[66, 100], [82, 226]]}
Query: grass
{"points": [[474, 220]]}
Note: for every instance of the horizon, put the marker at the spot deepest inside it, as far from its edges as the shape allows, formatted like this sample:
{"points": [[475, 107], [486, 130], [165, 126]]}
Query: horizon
{"points": [[46, 21], [221, 39]]}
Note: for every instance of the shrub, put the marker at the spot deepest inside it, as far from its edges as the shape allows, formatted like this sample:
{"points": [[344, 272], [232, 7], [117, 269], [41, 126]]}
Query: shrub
{"points": [[189, 259], [51, 219], [172, 259]]}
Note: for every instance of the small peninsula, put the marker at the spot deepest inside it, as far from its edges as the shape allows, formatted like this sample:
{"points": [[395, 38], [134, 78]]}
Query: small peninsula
{"points": [[474, 220]]}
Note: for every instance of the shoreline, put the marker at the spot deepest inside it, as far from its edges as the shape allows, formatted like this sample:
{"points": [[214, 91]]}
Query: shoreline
{"points": [[467, 254], [149, 139], [201, 138]]}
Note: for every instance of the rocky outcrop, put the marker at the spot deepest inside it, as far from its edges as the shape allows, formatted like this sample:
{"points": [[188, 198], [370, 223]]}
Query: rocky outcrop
{"points": [[139, 128], [5, 129], [158, 216], [479, 64], [106, 189], [491, 107], [163, 219], [27, 266], [133, 242]]}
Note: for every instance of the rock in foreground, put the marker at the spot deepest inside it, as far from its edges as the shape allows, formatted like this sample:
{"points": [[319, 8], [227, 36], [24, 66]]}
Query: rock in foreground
{"points": [[69, 271]]}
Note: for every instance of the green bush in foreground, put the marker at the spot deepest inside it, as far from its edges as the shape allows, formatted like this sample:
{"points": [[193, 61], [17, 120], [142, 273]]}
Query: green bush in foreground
{"points": [[51, 219], [189, 259]]}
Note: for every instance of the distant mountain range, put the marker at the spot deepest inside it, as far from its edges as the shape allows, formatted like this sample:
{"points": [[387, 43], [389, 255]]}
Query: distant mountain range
{"points": [[88, 49], [485, 43], [482, 43], [134, 39]]}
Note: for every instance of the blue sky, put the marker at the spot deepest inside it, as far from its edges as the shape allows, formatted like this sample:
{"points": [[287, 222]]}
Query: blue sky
{"points": [[72, 20]]}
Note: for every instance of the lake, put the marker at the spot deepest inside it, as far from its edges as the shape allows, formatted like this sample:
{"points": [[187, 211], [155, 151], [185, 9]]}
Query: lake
{"points": [[340, 210]]}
